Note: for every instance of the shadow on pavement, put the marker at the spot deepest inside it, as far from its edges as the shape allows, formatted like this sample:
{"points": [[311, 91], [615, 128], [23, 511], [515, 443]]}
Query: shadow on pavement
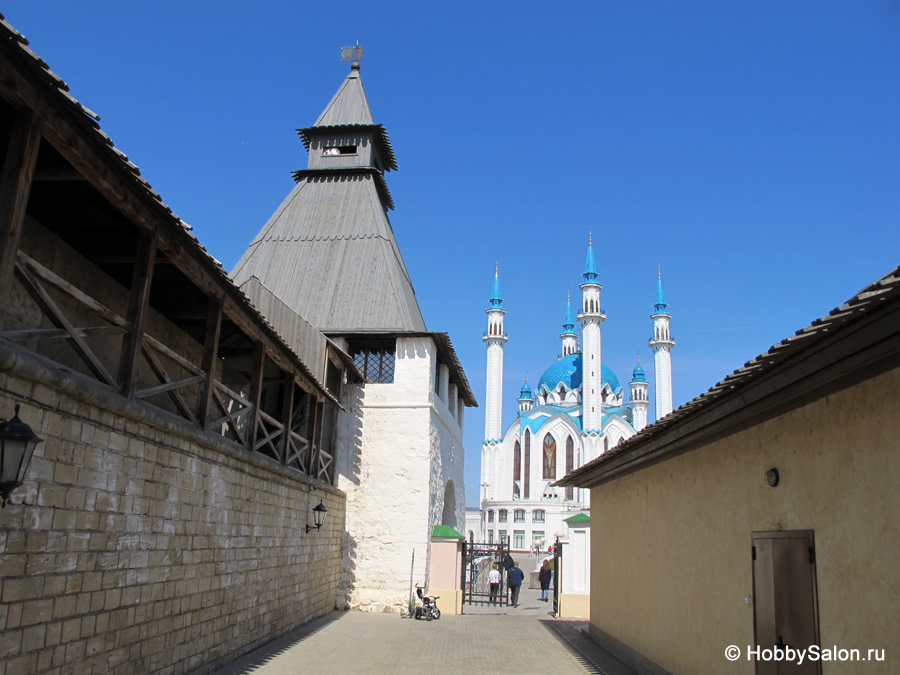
{"points": [[249, 663], [594, 659]]}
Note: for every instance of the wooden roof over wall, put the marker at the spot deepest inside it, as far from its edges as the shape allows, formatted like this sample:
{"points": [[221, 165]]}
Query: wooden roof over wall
{"points": [[73, 130]]}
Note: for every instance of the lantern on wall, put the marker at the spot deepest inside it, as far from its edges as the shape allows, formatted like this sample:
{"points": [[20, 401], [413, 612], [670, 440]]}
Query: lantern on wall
{"points": [[17, 444], [319, 513]]}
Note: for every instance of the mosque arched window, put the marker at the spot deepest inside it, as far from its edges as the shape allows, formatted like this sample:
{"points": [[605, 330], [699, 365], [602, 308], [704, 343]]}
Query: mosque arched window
{"points": [[549, 457], [527, 478], [570, 465], [517, 462]]}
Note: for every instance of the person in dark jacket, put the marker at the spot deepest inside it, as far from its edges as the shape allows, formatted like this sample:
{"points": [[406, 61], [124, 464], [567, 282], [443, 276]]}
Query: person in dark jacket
{"points": [[515, 579], [544, 576]]}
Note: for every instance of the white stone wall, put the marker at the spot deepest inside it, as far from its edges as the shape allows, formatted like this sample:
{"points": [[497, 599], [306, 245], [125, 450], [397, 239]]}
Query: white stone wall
{"points": [[493, 399], [398, 445]]}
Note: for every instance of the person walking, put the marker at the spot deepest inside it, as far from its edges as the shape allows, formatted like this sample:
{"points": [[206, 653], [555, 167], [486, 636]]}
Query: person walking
{"points": [[515, 577], [544, 576], [494, 583]]}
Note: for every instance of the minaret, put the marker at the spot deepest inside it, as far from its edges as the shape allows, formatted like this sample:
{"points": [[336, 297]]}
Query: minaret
{"points": [[591, 317], [495, 338], [662, 343], [569, 338], [526, 397], [639, 400]]}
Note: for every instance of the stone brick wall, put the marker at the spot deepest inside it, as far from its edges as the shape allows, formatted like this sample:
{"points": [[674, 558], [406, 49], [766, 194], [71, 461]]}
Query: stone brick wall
{"points": [[139, 545]]}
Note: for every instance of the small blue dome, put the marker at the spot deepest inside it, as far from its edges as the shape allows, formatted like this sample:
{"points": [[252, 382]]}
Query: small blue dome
{"points": [[525, 392], [637, 374], [568, 371]]}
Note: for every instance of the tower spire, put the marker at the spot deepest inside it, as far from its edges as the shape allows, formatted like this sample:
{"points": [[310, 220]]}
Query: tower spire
{"points": [[496, 300], [590, 268]]}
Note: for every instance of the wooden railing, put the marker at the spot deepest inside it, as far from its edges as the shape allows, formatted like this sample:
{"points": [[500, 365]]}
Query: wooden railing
{"points": [[236, 412]]}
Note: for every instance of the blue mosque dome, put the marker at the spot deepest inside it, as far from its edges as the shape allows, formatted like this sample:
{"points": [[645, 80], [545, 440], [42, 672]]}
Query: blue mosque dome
{"points": [[568, 371], [525, 392]]}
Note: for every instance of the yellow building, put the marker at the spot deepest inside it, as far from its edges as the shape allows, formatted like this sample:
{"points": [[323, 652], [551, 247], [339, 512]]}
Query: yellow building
{"points": [[764, 514]]}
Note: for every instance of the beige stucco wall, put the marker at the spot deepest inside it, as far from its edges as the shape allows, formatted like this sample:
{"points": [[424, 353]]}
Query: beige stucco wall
{"points": [[671, 545]]}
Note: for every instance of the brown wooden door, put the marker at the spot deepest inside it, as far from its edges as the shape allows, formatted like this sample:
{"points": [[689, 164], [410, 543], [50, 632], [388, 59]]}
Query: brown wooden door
{"points": [[785, 609]]}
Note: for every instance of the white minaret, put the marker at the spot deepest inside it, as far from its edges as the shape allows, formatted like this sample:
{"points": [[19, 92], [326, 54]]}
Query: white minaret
{"points": [[569, 338], [639, 399], [591, 317], [661, 343], [495, 338]]}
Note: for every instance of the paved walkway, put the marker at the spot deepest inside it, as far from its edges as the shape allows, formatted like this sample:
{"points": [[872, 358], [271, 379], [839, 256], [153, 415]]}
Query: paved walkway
{"points": [[493, 641]]}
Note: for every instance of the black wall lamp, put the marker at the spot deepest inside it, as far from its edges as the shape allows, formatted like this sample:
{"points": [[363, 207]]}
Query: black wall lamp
{"points": [[17, 444], [319, 513]]}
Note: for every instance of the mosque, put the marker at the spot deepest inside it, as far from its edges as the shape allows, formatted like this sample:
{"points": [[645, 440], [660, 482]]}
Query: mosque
{"points": [[576, 412]]}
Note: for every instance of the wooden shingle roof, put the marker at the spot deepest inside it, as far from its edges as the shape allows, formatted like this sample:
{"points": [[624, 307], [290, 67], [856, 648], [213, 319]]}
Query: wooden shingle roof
{"points": [[349, 105]]}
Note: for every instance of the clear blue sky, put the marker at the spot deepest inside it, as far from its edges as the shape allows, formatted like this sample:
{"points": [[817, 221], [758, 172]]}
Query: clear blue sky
{"points": [[751, 147]]}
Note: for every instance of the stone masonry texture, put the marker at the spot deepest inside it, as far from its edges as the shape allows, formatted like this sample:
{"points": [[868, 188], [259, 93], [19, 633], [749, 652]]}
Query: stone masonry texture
{"points": [[131, 550]]}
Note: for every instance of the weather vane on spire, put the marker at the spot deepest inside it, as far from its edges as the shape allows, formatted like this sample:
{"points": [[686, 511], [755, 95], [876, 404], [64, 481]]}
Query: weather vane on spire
{"points": [[352, 55]]}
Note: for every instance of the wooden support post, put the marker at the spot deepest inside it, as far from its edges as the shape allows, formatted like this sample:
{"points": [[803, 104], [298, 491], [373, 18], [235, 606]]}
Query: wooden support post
{"points": [[310, 461], [15, 185], [210, 358], [287, 410], [256, 381], [320, 413], [141, 280]]}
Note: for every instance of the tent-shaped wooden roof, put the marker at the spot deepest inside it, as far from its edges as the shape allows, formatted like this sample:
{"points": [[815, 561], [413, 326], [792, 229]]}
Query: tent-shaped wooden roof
{"points": [[329, 251]]}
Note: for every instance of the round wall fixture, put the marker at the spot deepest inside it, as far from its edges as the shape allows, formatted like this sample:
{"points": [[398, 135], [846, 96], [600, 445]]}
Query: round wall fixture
{"points": [[772, 477]]}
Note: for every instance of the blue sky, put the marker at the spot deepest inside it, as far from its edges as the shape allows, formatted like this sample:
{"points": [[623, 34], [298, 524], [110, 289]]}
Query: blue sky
{"points": [[751, 147]]}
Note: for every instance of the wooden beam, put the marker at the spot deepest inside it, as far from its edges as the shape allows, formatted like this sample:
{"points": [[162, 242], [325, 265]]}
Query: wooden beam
{"points": [[141, 280], [210, 358], [166, 386], [256, 377], [287, 410], [15, 185], [58, 319]]}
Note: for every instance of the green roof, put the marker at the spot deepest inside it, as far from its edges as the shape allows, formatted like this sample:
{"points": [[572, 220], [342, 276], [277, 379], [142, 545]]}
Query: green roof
{"points": [[580, 518], [445, 532]]}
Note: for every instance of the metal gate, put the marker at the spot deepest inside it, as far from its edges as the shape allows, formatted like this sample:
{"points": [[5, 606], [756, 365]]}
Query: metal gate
{"points": [[557, 575], [477, 562]]}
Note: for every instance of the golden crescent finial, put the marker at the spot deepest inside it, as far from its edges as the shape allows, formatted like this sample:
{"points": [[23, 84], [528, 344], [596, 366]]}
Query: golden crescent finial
{"points": [[568, 291], [497, 266], [526, 377], [639, 357], [591, 235], [658, 270]]}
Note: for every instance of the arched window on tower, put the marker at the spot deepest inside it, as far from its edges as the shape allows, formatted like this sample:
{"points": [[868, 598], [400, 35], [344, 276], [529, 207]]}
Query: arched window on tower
{"points": [[517, 462], [570, 465], [526, 480], [549, 457]]}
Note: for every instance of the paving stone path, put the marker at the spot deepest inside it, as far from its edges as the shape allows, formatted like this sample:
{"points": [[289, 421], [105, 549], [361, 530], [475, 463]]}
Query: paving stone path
{"points": [[489, 640]]}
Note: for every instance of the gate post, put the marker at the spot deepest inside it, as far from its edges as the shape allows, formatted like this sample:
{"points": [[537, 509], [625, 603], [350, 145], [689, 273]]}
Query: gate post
{"points": [[447, 568]]}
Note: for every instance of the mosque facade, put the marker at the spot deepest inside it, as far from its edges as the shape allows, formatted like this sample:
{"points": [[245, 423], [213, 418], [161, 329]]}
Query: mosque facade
{"points": [[575, 412]]}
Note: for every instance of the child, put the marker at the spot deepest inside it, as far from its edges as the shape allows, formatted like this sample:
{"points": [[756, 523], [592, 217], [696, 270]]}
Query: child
{"points": [[494, 582]]}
